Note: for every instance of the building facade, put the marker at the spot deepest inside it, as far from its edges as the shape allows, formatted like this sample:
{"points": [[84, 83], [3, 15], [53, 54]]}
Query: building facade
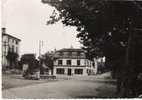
{"points": [[72, 62], [9, 44]]}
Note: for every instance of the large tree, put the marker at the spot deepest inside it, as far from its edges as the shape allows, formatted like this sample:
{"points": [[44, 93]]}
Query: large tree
{"points": [[47, 60], [106, 28], [33, 63]]}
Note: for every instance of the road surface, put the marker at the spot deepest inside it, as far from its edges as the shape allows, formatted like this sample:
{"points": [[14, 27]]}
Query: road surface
{"points": [[63, 89]]}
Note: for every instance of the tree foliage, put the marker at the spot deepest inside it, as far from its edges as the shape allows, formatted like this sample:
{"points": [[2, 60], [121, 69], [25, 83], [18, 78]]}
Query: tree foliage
{"points": [[31, 60], [47, 59], [106, 28], [103, 24]]}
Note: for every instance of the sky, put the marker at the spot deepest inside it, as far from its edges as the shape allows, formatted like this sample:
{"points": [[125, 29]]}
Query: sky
{"points": [[26, 20]]}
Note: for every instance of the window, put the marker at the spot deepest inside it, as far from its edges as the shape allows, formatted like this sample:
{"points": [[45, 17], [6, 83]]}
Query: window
{"points": [[65, 53], [8, 40], [68, 62], [4, 53], [13, 48], [82, 54], [74, 53], [61, 54], [59, 71], [93, 64], [16, 49], [78, 71], [13, 40], [78, 53], [78, 62], [59, 62], [16, 42], [9, 48], [69, 53]]}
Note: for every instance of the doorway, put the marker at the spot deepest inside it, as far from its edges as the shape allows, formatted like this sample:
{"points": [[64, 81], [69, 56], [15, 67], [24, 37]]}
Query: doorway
{"points": [[69, 71]]}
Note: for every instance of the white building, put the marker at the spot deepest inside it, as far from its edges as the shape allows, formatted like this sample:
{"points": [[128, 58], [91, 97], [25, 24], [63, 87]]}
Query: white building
{"points": [[99, 64], [72, 61], [9, 44]]}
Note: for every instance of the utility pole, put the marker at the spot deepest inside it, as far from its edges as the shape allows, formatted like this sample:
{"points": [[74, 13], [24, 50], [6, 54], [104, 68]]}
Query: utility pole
{"points": [[40, 47]]}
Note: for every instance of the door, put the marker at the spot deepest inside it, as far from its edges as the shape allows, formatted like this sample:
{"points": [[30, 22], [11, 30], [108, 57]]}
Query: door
{"points": [[69, 71]]}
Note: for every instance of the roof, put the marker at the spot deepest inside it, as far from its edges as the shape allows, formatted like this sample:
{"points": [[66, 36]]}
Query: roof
{"points": [[11, 36], [61, 53], [70, 50]]}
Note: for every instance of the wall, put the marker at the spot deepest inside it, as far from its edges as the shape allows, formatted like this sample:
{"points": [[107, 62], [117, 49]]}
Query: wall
{"points": [[73, 61], [72, 71], [85, 64], [8, 42]]}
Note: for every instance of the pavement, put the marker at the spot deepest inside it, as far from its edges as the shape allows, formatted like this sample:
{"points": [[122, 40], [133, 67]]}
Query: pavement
{"points": [[106, 76], [91, 87], [14, 80]]}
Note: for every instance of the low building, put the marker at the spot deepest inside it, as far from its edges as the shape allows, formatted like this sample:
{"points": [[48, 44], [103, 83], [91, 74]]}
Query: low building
{"points": [[100, 65], [70, 61], [9, 44]]}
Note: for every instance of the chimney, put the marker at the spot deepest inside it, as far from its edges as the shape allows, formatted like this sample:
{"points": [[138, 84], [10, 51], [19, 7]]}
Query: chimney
{"points": [[3, 30]]}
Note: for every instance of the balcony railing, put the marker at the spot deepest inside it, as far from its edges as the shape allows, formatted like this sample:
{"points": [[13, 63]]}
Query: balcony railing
{"points": [[70, 65], [67, 56]]}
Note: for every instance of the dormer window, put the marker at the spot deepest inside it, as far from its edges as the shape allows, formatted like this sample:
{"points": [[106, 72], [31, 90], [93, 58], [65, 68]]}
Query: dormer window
{"points": [[61, 54], [70, 53]]}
